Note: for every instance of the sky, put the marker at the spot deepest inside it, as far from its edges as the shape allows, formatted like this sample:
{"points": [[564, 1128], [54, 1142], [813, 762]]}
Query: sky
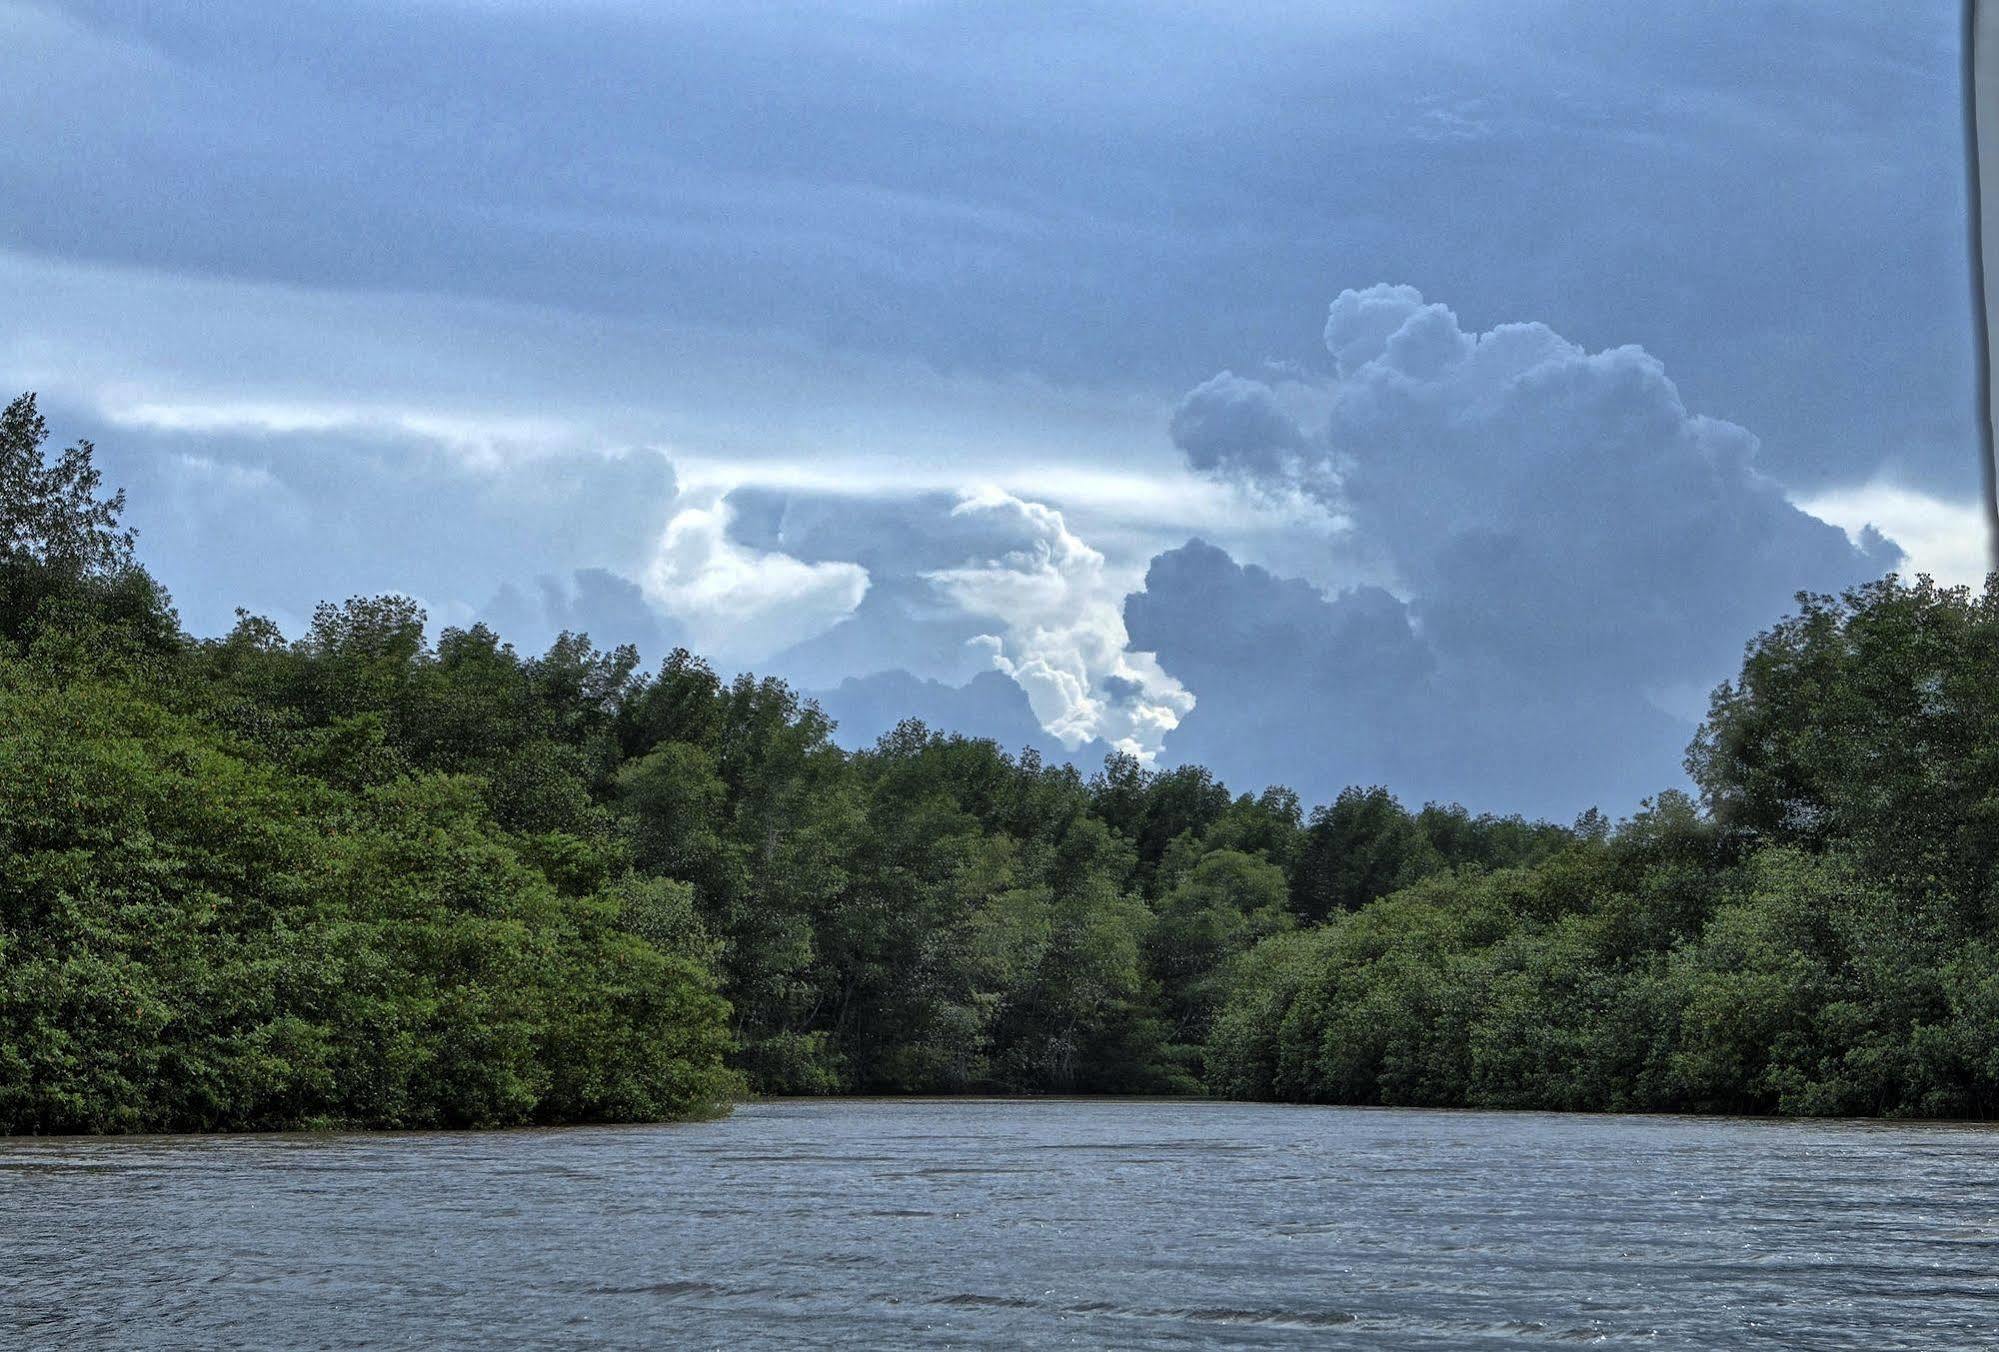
{"points": [[1437, 395]]}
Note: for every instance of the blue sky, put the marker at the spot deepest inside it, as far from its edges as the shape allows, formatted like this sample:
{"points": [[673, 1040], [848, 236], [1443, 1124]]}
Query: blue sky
{"points": [[904, 349]]}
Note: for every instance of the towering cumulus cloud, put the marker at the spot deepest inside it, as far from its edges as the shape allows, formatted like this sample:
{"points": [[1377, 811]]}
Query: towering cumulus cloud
{"points": [[1580, 555], [985, 613], [1062, 636]]}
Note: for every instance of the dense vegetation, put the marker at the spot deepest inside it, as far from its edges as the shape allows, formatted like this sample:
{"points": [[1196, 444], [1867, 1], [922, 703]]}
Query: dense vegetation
{"points": [[1821, 937], [359, 877]]}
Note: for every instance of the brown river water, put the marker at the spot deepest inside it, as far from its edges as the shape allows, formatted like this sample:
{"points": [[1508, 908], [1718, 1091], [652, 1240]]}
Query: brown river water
{"points": [[980, 1223]]}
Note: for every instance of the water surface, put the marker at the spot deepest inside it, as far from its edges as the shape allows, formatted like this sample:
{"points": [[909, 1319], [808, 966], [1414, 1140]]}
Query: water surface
{"points": [[1003, 1224]]}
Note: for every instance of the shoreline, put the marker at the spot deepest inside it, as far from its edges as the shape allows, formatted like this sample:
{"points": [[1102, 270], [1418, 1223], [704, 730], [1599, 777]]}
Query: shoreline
{"points": [[1052, 1101]]}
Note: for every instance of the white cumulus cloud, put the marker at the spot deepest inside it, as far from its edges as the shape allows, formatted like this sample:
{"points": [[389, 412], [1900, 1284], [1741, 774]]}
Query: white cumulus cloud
{"points": [[1062, 636], [739, 603]]}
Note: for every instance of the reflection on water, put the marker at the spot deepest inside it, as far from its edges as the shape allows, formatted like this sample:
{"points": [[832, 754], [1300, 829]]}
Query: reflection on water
{"points": [[998, 1224]]}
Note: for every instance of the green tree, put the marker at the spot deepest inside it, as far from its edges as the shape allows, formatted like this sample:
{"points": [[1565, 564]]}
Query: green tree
{"points": [[51, 514], [1871, 722], [1222, 906], [193, 937], [67, 576], [1362, 846]]}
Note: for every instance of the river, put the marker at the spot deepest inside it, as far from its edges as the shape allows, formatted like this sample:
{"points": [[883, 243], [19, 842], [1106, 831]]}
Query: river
{"points": [[978, 1223]]}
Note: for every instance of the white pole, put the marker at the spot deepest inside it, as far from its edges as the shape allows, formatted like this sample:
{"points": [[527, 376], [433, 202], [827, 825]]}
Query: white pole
{"points": [[1981, 140]]}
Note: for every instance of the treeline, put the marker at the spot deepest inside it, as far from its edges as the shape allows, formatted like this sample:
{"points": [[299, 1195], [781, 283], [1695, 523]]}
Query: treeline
{"points": [[1820, 937], [357, 877]]}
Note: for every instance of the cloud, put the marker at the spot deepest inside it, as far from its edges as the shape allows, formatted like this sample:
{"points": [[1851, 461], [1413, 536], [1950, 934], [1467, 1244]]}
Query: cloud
{"points": [[1295, 686], [984, 581], [278, 520], [985, 613], [471, 437], [988, 705], [279, 513], [1562, 531], [1010, 194], [1063, 637], [1235, 427], [1552, 509], [1281, 631], [1362, 325], [1944, 538], [612, 610], [1319, 691], [743, 604], [902, 622]]}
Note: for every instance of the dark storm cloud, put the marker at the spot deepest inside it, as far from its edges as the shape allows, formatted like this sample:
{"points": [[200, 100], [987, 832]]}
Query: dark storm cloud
{"points": [[1278, 631], [1236, 427]]}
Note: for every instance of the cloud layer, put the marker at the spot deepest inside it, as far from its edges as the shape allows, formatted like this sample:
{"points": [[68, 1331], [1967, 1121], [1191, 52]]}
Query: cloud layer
{"points": [[531, 541], [1104, 197]]}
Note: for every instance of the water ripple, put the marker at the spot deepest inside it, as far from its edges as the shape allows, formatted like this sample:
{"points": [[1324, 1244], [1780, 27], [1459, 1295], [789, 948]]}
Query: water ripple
{"points": [[1002, 1224]]}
